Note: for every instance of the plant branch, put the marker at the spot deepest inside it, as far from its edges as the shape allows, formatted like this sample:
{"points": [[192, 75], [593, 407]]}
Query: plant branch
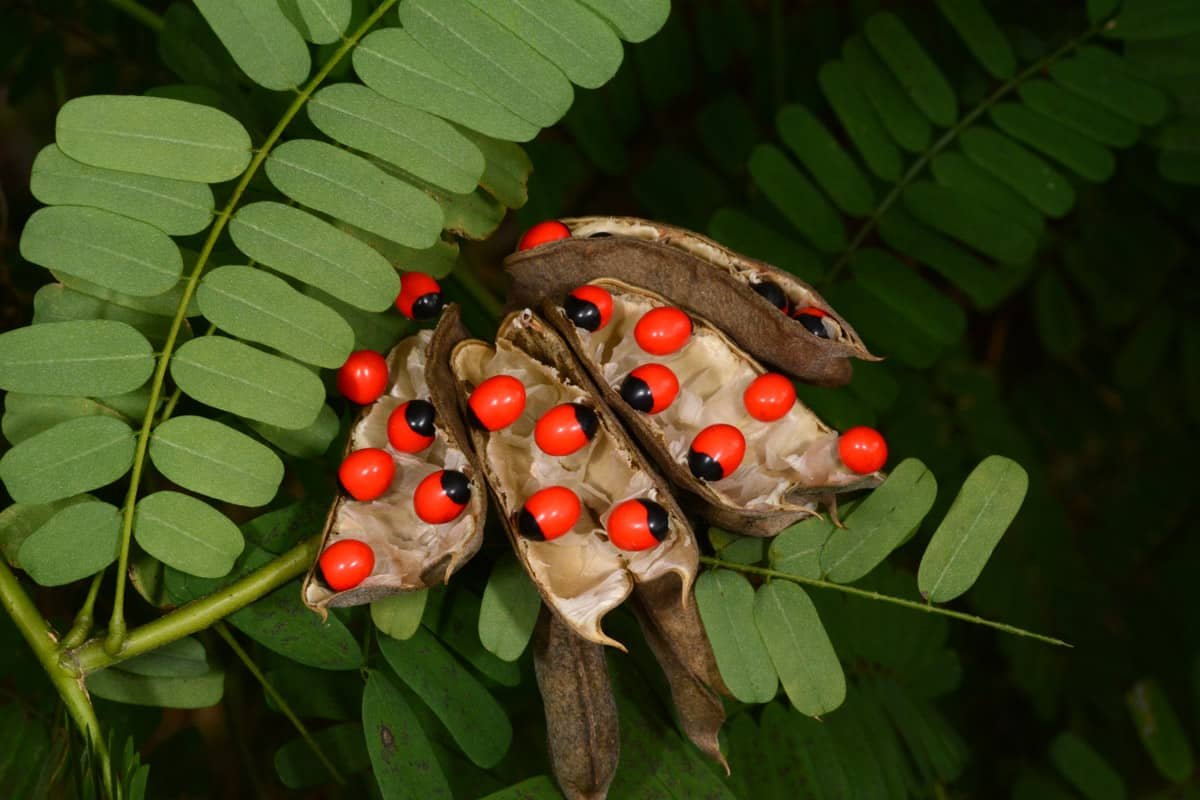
{"points": [[197, 615], [140, 13], [116, 628], [948, 138], [83, 620], [884, 598], [223, 631]]}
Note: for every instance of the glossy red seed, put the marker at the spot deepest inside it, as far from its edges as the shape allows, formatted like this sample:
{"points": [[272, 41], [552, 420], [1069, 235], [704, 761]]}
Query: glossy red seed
{"points": [[346, 563], [410, 426], [650, 388], [565, 429], [497, 402], [542, 233], [863, 450], [769, 397], [589, 307], [716, 452], [363, 378], [367, 473], [441, 496], [637, 525], [420, 296], [662, 331], [549, 513]]}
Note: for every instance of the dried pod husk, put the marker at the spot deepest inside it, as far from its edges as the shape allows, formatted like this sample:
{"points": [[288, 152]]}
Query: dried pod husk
{"points": [[790, 464], [409, 553], [581, 575], [700, 276], [581, 714]]}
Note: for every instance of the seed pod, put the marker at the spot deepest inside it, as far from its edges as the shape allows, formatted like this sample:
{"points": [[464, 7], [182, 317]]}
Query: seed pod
{"points": [[408, 553], [701, 277], [580, 574], [789, 463]]}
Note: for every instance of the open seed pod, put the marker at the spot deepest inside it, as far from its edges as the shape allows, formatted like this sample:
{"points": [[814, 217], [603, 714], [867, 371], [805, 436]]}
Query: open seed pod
{"points": [[409, 553], [788, 464], [580, 571], [770, 313]]}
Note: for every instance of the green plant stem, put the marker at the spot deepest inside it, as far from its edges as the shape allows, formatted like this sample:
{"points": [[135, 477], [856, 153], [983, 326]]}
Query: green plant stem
{"points": [[197, 615], [173, 400], [139, 12], [486, 298], [223, 631], [82, 626], [948, 138], [116, 628], [41, 640], [883, 598]]}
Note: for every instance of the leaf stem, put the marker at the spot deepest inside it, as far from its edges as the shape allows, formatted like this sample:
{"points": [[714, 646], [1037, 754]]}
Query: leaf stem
{"points": [[139, 12], [223, 631], [486, 298], [116, 627], [884, 598], [197, 615], [82, 625], [945, 141]]}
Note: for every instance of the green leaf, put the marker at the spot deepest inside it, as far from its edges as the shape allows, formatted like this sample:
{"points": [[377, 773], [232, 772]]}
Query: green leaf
{"points": [[19, 521], [727, 129], [282, 623], [310, 693], [72, 457], [301, 246], [308, 442], [416, 142], [797, 550], [957, 215], [79, 540], [160, 305], [187, 534], [539, 787], [173, 206], [858, 119], [198, 691], [261, 40], [984, 508], [1149, 20], [1011, 164], [27, 415], [392, 63], [956, 171], [1100, 10], [902, 289], [474, 719], [800, 649], [1102, 77], [237, 378], [1144, 352], [981, 35], [1078, 114], [88, 357], [934, 745], [864, 768], [453, 617], [181, 658], [913, 68], [634, 20], [153, 136], [797, 198], [319, 21], [1058, 320], [504, 67], [1074, 151], [835, 171], [899, 115], [506, 170], [255, 305], [27, 763], [343, 745], [116, 252], [56, 303], [204, 456], [509, 610], [348, 187], [748, 235], [1085, 768], [880, 523], [399, 616], [1158, 728], [726, 603], [403, 761]]}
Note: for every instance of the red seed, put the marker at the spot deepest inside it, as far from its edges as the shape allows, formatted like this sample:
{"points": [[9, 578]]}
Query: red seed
{"points": [[497, 402], [863, 450], [637, 524], [662, 331], [346, 563], [589, 307], [441, 496], [367, 473], [543, 233], [410, 426], [650, 388], [769, 397], [565, 429], [548, 514], [363, 378], [716, 452], [420, 296]]}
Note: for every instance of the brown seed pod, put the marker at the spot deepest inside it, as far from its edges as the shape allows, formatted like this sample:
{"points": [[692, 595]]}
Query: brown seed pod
{"points": [[409, 553], [581, 574], [703, 278], [789, 464]]}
